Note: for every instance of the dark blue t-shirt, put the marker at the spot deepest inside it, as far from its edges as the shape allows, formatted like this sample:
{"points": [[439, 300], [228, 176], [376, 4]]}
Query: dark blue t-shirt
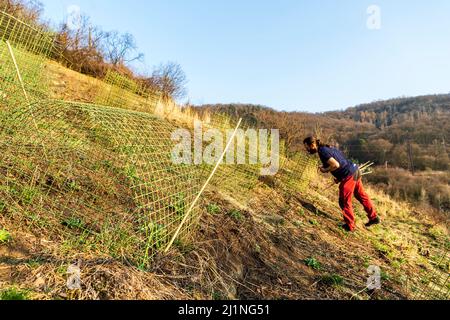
{"points": [[347, 167]]}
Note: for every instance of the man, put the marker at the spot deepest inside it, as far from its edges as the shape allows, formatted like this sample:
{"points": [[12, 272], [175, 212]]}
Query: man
{"points": [[349, 176]]}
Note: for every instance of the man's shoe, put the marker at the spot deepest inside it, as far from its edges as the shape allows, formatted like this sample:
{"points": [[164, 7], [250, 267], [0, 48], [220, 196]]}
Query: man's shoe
{"points": [[347, 228], [373, 222]]}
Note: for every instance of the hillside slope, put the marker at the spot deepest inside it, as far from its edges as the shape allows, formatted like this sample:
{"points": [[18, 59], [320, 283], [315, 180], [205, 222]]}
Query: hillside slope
{"points": [[272, 243]]}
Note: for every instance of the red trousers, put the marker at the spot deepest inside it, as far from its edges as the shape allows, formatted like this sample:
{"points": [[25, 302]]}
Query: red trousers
{"points": [[349, 187]]}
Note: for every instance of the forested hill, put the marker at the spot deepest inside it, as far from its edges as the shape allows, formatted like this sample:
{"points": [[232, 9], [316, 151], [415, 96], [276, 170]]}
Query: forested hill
{"points": [[396, 111]]}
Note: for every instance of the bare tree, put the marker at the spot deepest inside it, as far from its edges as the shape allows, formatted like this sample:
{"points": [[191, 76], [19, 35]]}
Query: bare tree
{"points": [[80, 46], [119, 49], [85, 36], [170, 80]]}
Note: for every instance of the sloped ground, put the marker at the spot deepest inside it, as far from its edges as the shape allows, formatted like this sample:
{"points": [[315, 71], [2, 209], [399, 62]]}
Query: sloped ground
{"points": [[273, 247], [242, 253], [277, 244]]}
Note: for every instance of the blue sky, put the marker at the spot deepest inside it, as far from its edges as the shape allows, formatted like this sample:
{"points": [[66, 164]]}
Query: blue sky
{"points": [[293, 55]]}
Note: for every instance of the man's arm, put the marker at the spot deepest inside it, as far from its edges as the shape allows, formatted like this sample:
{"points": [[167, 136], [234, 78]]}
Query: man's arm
{"points": [[333, 165]]}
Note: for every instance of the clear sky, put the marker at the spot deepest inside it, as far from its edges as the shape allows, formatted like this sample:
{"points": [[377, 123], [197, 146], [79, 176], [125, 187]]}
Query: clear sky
{"points": [[315, 55]]}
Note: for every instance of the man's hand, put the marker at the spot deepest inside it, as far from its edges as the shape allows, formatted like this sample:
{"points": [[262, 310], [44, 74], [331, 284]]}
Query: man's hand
{"points": [[333, 165], [323, 170]]}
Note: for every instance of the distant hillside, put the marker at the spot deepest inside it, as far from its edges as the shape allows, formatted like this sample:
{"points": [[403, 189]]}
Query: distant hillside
{"points": [[380, 131], [407, 133], [387, 113]]}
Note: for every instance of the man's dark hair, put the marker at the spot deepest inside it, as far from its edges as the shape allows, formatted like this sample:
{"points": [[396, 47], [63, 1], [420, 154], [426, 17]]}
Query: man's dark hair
{"points": [[311, 140]]}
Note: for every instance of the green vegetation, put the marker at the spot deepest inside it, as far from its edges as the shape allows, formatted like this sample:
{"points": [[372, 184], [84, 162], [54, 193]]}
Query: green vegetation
{"points": [[437, 233], [332, 280], [398, 262], [213, 208], [313, 263], [5, 236], [14, 294], [237, 215], [131, 173], [27, 196], [62, 270], [382, 248], [34, 263], [72, 185], [367, 260], [157, 238], [115, 239], [157, 234], [218, 296], [184, 247], [36, 219], [2, 206], [385, 276], [74, 223], [127, 150], [298, 224], [178, 204]]}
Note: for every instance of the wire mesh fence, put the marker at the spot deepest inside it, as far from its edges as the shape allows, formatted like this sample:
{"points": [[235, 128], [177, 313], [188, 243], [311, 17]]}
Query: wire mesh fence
{"points": [[23, 35], [434, 283], [123, 92], [108, 171], [32, 71], [29, 46], [104, 171]]}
